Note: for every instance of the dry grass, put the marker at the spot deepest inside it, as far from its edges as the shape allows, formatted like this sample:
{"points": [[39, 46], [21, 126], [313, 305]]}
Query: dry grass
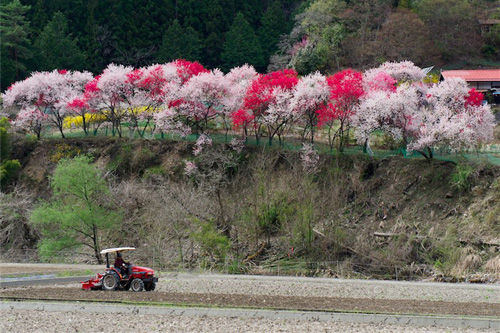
{"points": [[469, 261], [493, 265]]}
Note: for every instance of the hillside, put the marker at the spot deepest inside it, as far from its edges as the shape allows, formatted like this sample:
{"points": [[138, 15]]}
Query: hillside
{"points": [[353, 216]]}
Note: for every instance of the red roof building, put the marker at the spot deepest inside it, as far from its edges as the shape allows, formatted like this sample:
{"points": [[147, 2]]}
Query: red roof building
{"points": [[481, 79]]}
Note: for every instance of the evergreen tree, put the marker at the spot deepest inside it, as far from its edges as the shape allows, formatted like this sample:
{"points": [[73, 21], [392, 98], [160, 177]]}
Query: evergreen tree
{"points": [[273, 25], [57, 48], [215, 27], [242, 46], [179, 43], [39, 17], [15, 44]]}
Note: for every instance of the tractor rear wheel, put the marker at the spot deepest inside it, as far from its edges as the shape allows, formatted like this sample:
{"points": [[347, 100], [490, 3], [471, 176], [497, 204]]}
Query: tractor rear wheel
{"points": [[110, 281], [137, 285], [150, 286]]}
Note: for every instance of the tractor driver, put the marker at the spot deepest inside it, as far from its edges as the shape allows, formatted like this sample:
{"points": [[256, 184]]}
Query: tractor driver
{"points": [[124, 267]]}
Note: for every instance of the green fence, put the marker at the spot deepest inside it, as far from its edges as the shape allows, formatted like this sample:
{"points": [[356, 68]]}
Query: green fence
{"points": [[487, 154]]}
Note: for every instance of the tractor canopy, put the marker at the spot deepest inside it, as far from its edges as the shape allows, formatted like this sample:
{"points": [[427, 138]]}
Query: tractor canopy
{"points": [[115, 250]]}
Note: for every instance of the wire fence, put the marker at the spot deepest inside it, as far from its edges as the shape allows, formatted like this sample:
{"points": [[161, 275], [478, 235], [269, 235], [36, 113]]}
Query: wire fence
{"points": [[281, 267]]}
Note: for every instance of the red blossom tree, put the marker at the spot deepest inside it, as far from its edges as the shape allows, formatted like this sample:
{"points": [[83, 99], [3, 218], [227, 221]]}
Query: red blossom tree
{"points": [[346, 89], [262, 93]]}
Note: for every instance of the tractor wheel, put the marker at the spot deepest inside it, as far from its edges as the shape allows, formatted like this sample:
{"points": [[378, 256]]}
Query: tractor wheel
{"points": [[110, 281], [137, 285], [150, 286]]}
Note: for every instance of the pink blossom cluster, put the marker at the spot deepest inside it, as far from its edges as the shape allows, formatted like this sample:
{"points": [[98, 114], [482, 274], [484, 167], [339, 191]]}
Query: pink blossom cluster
{"points": [[447, 113], [202, 141], [309, 157], [44, 96]]}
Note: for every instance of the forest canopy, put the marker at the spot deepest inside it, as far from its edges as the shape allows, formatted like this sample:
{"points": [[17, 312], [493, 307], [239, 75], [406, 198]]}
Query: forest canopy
{"points": [[325, 35]]}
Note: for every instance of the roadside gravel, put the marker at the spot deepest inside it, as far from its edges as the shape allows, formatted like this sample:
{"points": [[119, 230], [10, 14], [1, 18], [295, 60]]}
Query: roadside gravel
{"points": [[41, 321], [296, 286]]}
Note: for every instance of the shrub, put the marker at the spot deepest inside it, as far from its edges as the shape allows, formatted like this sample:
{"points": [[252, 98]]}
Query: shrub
{"points": [[211, 241], [460, 178], [8, 171], [64, 151]]}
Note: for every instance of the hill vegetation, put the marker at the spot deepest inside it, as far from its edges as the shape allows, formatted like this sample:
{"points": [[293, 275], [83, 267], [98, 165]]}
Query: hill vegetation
{"points": [[254, 210]]}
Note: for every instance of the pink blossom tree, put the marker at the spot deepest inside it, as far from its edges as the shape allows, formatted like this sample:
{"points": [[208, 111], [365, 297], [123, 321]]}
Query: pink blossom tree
{"points": [[279, 114], [49, 92], [404, 71], [446, 114], [109, 92], [396, 113], [310, 96], [238, 80], [32, 120], [151, 87], [177, 110], [453, 117], [198, 101]]}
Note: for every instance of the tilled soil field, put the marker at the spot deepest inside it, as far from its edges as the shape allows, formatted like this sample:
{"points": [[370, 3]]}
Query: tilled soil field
{"points": [[260, 292], [40, 321], [291, 294], [366, 305]]}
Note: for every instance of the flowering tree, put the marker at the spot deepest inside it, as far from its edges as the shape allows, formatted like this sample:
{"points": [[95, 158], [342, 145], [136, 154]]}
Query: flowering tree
{"points": [[177, 110], [396, 113], [454, 117], [346, 89], [446, 114], [31, 119], [279, 114], [109, 93], [49, 92], [261, 94], [404, 71], [310, 95], [238, 81], [150, 88], [201, 99]]}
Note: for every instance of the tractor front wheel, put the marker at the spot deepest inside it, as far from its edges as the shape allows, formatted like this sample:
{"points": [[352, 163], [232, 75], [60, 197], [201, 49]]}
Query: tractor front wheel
{"points": [[150, 286], [137, 285], [110, 281]]}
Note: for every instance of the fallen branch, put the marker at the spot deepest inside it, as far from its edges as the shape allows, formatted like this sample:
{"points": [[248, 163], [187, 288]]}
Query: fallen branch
{"points": [[256, 254]]}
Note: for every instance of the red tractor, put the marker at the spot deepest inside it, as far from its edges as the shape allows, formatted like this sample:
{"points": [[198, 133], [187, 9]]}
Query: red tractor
{"points": [[135, 278]]}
